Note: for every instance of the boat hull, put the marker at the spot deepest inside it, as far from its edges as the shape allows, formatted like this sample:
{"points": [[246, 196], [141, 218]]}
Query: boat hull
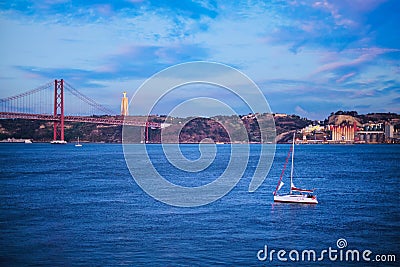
{"points": [[301, 199], [58, 142]]}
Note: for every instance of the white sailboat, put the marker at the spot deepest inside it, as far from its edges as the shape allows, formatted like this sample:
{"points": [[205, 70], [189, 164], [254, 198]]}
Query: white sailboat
{"points": [[296, 195], [78, 144]]}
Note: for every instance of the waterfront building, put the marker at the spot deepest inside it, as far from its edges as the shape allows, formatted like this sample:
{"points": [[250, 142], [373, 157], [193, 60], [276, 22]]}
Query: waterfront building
{"points": [[343, 133]]}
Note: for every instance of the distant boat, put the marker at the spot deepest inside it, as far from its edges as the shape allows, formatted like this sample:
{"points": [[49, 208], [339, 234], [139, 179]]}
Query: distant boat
{"points": [[58, 142], [13, 140], [296, 195], [78, 144]]}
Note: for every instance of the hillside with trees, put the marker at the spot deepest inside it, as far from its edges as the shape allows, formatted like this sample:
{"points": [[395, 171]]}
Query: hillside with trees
{"points": [[223, 129]]}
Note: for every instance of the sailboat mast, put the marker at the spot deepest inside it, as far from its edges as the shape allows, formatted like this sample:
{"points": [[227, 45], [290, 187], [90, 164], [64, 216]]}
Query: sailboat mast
{"points": [[291, 169]]}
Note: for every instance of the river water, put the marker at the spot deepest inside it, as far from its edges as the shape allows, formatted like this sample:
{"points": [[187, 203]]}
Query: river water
{"points": [[63, 205]]}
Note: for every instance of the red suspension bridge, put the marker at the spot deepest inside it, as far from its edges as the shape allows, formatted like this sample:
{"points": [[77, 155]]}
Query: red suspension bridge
{"points": [[59, 102]]}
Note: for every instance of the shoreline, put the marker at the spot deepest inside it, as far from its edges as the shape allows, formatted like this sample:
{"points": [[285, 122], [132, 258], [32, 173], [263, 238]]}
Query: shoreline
{"points": [[194, 143]]}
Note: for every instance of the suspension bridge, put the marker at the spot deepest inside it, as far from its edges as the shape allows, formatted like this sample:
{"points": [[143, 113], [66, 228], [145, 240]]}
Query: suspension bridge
{"points": [[60, 102]]}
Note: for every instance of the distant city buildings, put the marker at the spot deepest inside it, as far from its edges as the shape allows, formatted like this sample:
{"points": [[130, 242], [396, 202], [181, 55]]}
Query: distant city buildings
{"points": [[314, 133], [343, 133], [347, 132], [392, 132], [280, 115], [371, 133]]}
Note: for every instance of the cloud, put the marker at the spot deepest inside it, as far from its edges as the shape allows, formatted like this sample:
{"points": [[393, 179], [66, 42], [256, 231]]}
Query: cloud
{"points": [[299, 110], [98, 9], [334, 66], [143, 61], [360, 6], [395, 101], [315, 99], [335, 25], [345, 77], [348, 63], [334, 11], [129, 62]]}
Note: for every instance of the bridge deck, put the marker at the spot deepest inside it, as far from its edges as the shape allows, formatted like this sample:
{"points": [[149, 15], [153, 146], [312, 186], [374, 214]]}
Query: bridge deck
{"points": [[130, 121]]}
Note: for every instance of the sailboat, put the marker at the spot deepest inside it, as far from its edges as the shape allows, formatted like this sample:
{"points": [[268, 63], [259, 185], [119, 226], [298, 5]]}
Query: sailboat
{"points": [[296, 195], [78, 144]]}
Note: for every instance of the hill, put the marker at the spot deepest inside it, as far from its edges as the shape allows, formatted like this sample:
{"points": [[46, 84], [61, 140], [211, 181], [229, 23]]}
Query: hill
{"points": [[224, 129]]}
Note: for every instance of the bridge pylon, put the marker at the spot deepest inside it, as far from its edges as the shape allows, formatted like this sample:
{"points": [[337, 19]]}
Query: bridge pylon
{"points": [[58, 110]]}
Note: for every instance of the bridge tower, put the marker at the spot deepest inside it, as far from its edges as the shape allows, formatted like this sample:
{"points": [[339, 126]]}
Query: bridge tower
{"points": [[58, 110]]}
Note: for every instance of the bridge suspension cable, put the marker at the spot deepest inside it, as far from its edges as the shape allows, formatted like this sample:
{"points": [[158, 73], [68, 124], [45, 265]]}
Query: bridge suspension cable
{"points": [[35, 100], [40, 88], [87, 99]]}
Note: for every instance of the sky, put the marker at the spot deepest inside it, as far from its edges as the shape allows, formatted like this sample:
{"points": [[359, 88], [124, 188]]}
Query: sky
{"points": [[309, 58]]}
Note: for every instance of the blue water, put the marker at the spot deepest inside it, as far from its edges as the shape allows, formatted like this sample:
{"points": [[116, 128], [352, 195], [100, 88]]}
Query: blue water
{"points": [[62, 205]]}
